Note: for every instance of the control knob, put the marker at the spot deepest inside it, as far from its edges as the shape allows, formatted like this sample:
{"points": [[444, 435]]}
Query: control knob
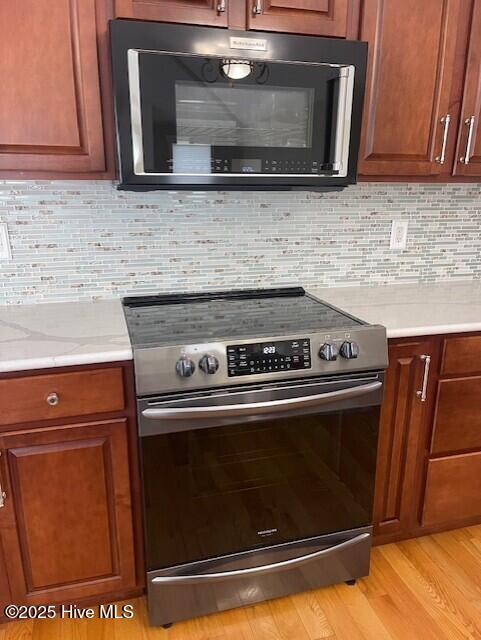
{"points": [[208, 364], [349, 350], [185, 367], [328, 351]]}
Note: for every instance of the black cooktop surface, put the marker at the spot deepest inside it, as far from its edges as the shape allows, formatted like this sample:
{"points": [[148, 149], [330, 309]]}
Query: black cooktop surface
{"points": [[207, 317]]}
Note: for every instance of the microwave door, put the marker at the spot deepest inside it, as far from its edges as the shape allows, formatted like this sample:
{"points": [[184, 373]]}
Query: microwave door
{"points": [[190, 118]]}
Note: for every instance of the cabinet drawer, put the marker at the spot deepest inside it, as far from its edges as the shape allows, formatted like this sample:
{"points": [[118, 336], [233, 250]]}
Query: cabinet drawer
{"points": [[457, 423], [78, 393], [461, 355], [453, 489]]}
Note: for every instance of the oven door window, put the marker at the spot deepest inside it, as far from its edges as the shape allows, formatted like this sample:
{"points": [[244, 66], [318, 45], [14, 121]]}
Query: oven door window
{"points": [[190, 118], [220, 490]]}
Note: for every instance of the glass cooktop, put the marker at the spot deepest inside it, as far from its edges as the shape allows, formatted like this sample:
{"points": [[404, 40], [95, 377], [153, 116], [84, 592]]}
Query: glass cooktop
{"points": [[207, 317]]}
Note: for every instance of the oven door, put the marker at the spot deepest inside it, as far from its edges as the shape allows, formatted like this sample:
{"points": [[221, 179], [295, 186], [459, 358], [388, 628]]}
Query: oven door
{"points": [[270, 118], [238, 470]]}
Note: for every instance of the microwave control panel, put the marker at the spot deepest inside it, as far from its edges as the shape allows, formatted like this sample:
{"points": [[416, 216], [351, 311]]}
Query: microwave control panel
{"points": [[267, 357], [247, 165]]}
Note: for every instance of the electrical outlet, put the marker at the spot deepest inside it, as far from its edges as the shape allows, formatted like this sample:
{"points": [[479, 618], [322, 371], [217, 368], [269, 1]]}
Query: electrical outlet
{"points": [[399, 234], [5, 249]]}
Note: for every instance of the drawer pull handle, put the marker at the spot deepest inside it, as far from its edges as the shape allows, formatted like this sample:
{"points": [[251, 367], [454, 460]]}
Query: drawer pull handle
{"points": [[53, 399], [422, 394], [469, 122], [3, 495], [445, 120]]}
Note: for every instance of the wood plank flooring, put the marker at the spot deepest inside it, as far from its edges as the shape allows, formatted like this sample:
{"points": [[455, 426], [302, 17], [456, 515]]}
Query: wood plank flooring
{"points": [[423, 589]]}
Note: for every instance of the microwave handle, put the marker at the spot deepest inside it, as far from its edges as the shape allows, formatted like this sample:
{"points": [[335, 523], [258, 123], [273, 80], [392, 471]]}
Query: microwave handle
{"points": [[266, 568], [340, 157], [254, 408]]}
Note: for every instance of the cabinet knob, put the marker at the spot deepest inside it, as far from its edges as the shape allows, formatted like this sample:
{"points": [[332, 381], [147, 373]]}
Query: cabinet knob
{"points": [[53, 399]]}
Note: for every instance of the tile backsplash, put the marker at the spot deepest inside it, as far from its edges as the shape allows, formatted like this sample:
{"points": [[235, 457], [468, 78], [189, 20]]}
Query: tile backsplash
{"points": [[84, 239]]}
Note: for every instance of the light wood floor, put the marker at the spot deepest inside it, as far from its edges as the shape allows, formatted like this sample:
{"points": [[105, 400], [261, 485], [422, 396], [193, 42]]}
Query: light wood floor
{"points": [[424, 589]]}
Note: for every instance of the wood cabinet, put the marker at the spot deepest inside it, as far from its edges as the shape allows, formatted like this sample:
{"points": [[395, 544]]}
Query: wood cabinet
{"points": [[461, 355], [206, 12], [67, 515], [51, 110], [429, 458], [69, 525], [457, 421], [313, 17], [411, 70], [453, 491], [5, 597], [61, 395], [404, 423], [467, 160], [453, 476], [423, 91]]}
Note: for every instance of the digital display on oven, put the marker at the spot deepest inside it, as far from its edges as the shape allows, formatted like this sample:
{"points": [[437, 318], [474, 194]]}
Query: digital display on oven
{"points": [[268, 357]]}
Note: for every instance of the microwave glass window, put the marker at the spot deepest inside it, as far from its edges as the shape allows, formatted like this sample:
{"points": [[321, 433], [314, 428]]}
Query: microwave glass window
{"points": [[193, 122], [243, 116]]}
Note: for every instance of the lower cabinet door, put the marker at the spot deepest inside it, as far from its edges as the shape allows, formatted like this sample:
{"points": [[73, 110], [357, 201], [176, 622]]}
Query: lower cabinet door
{"points": [[408, 398], [66, 524], [453, 491], [4, 586]]}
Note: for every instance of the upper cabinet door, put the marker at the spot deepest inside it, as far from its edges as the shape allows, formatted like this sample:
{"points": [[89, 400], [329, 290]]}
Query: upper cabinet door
{"points": [[468, 153], [312, 17], [207, 12], [409, 126], [50, 108]]}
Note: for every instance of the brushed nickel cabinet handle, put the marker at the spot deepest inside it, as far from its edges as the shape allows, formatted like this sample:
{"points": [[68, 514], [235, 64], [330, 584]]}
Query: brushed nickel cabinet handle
{"points": [[422, 394], [469, 122], [257, 7], [3, 495], [221, 6], [53, 399], [445, 121]]}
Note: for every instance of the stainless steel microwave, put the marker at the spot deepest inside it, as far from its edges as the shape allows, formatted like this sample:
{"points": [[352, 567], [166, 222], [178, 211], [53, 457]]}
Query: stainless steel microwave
{"points": [[209, 108]]}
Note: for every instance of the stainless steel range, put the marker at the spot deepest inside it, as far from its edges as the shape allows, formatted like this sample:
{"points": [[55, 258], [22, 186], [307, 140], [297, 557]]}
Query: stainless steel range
{"points": [[258, 421]]}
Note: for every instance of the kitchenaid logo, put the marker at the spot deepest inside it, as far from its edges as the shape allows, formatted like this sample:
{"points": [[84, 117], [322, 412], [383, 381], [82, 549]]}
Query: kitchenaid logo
{"points": [[266, 532], [252, 44]]}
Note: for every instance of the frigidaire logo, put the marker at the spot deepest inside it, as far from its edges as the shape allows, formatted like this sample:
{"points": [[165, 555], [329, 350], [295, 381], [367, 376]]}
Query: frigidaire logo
{"points": [[266, 532]]}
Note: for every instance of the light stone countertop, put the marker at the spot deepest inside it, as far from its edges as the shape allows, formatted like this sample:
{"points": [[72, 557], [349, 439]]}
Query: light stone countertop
{"points": [[39, 336], [412, 309]]}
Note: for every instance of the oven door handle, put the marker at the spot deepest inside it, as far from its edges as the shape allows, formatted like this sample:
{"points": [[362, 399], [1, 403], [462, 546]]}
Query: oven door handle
{"points": [[292, 563], [250, 408]]}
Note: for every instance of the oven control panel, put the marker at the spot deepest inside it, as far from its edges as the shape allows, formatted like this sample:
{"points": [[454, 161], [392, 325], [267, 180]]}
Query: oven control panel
{"points": [[267, 357]]}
